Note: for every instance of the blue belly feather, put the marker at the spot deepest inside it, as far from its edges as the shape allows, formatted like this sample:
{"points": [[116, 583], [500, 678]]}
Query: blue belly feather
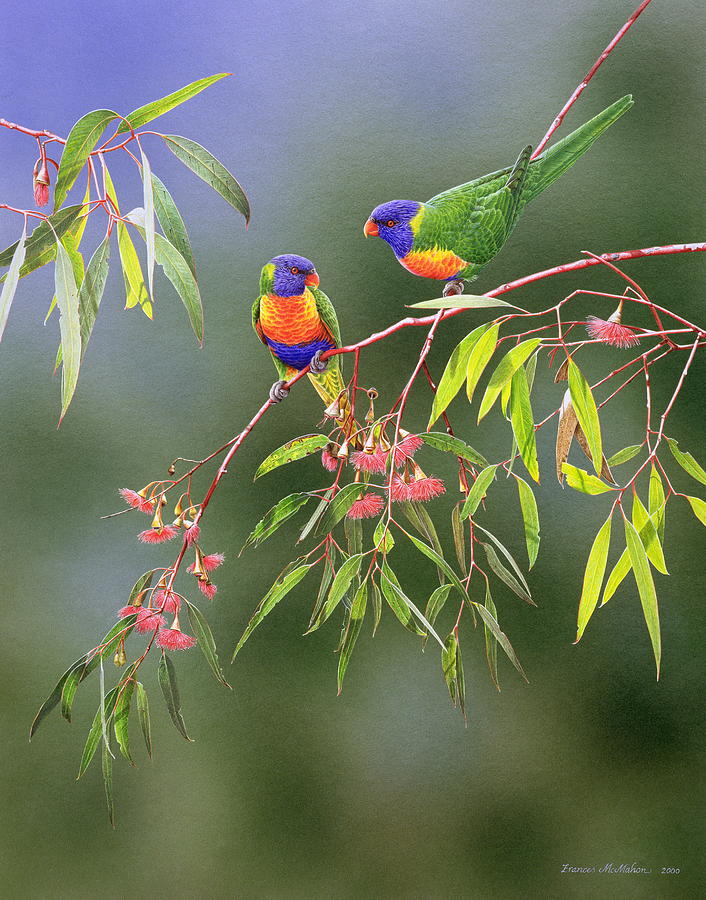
{"points": [[298, 356]]}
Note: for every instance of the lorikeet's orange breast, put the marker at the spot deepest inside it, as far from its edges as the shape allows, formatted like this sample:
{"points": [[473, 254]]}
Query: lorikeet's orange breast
{"points": [[291, 320], [435, 263]]}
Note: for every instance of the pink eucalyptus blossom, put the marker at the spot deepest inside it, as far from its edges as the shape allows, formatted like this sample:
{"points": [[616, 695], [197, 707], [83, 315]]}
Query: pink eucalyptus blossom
{"points": [[614, 333], [366, 506], [158, 535], [174, 639], [132, 498]]}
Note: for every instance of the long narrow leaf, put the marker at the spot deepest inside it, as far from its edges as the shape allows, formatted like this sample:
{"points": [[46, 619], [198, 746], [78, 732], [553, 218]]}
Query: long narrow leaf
{"points": [[279, 589], [151, 111], [587, 413], [11, 280], [593, 577], [69, 325], [148, 201], [478, 491], [172, 223], [645, 587], [454, 373], [291, 451], [81, 140], [506, 368], [530, 518], [522, 421], [479, 357]]}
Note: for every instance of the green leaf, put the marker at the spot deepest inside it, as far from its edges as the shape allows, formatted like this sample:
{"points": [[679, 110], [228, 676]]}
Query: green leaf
{"points": [[91, 291], [316, 515], [645, 587], [280, 513], [622, 456], [437, 601], [355, 623], [377, 607], [587, 413], [108, 782], [338, 507], [698, 507], [454, 373], [172, 223], [479, 358], [506, 368], [166, 675], [204, 636], [143, 714], [40, 246], [12, 278], [326, 578], [522, 420], [530, 518], [95, 732], [491, 644], [341, 583], [177, 270], [616, 577], [440, 562], [452, 667], [508, 556], [687, 461], [80, 142], [644, 524], [152, 111], [69, 325], [121, 717], [499, 635], [580, 480], [353, 530], [505, 575], [280, 589], [143, 583], [148, 202], [593, 577], [210, 170], [397, 600], [657, 502], [382, 537], [459, 539], [439, 440], [135, 289], [291, 451], [478, 491], [68, 692], [462, 301]]}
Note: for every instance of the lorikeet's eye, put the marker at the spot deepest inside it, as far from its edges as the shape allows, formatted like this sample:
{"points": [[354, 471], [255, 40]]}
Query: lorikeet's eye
{"points": [[390, 223], [294, 270]]}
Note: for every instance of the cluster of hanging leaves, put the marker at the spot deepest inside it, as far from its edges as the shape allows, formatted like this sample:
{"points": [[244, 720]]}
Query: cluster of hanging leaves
{"points": [[79, 286]]}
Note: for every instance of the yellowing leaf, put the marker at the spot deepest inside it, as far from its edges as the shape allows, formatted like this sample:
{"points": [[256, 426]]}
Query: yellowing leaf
{"points": [[479, 358], [580, 480], [586, 412], [593, 577], [507, 367], [645, 587], [454, 373]]}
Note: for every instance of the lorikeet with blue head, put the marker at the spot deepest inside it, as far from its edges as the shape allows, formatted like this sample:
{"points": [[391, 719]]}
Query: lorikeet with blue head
{"points": [[453, 235], [297, 322]]}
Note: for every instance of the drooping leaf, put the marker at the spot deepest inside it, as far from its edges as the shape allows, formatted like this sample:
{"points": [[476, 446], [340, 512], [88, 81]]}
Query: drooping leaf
{"points": [[382, 537], [459, 539], [355, 623], [624, 455], [397, 600], [586, 413], [657, 502], [454, 373], [645, 527], [121, 716], [69, 325], [316, 515], [452, 668], [40, 246], [645, 587], [439, 440], [135, 288], [506, 368], [698, 507], [508, 556], [326, 579], [582, 441], [499, 635], [616, 577], [530, 518], [280, 589], [172, 223], [437, 601], [462, 301], [687, 461], [82, 138], [210, 170], [566, 429], [522, 420], [12, 278], [593, 577], [291, 451], [440, 562], [95, 732], [353, 530], [478, 491], [204, 636], [580, 480], [143, 714], [166, 674], [479, 357], [177, 270], [505, 575], [152, 111], [148, 201], [338, 507], [341, 583], [280, 513], [107, 760], [491, 644], [91, 291], [377, 606]]}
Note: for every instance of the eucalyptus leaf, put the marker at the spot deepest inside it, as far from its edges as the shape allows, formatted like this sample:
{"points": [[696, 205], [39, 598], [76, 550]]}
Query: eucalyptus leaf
{"points": [[69, 325], [454, 373], [580, 480], [280, 589], [82, 138], [204, 636], [172, 223], [439, 440], [152, 111], [291, 451], [645, 587], [462, 301], [12, 278], [587, 413], [506, 368], [593, 577], [530, 518], [166, 675], [478, 491], [280, 513]]}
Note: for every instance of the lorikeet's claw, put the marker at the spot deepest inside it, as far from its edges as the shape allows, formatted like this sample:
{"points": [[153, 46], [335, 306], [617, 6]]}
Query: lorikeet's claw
{"points": [[278, 391], [317, 365], [453, 287]]}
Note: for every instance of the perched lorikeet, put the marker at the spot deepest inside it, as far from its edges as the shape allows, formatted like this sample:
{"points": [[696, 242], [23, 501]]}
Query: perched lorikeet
{"points": [[453, 235], [297, 322]]}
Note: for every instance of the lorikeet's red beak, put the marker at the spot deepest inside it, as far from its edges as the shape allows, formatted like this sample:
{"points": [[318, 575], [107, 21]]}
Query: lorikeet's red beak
{"points": [[312, 279], [371, 229]]}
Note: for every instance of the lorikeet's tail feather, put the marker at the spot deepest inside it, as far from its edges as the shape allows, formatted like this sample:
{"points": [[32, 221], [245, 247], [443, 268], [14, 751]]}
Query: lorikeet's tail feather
{"points": [[328, 384], [559, 157]]}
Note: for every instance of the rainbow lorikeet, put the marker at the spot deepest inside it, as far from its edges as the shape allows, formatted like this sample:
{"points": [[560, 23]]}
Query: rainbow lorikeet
{"points": [[453, 235], [297, 322]]}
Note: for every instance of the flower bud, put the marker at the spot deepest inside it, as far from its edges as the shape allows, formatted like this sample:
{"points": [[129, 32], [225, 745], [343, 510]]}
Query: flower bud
{"points": [[41, 182]]}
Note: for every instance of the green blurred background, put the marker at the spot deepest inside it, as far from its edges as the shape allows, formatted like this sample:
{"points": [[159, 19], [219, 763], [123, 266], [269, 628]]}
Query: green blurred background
{"points": [[288, 791]]}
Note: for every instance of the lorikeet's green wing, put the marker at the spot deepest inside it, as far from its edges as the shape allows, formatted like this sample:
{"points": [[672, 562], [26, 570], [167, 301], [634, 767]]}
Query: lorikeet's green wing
{"points": [[327, 314], [283, 371]]}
